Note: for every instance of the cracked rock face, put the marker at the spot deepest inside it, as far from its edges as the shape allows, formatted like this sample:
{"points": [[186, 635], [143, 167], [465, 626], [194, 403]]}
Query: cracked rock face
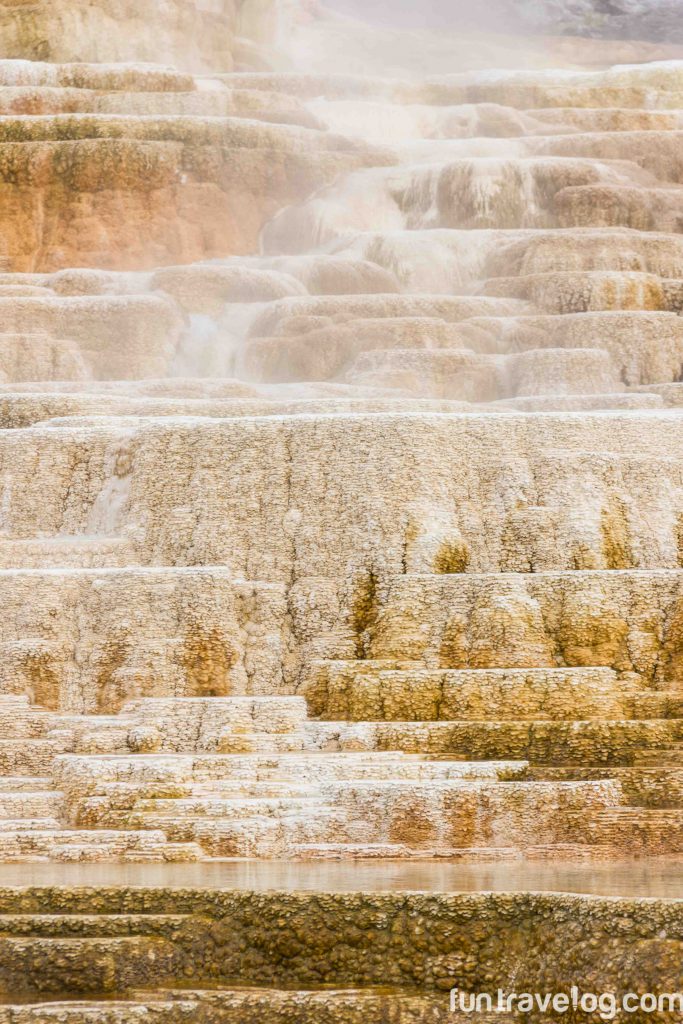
{"points": [[192, 36], [341, 507]]}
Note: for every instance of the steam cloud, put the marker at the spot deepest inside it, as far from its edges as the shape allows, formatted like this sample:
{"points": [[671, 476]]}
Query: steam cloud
{"points": [[657, 20]]}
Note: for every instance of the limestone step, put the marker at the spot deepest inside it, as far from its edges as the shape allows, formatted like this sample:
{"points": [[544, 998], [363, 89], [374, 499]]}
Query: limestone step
{"points": [[48, 968], [614, 119], [640, 831], [671, 394], [28, 804], [604, 526], [666, 756], [196, 102], [28, 824], [263, 836], [458, 189], [51, 959], [633, 146], [32, 725], [401, 851], [225, 789], [467, 376], [535, 620], [451, 816], [25, 784], [167, 651], [213, 772], [434, 818], [172, 147], [383, 119], [424, 814], [359, 320], [353, 851], [568, 193], [600, 742], [644, 345], [193, 819], [121, 1011], [522, 254], [656, 787], [225, 809], [580, 403], [90, 925], [618, 205], [572, 852], [182, 724], [202, 131], [648, 86], [20, 719], [63, 844], [364, 691], [260, 836], [267, 742], [330, 768], [246, 1006], [28, 756], [258, 714], [590, 291], [470, 855], [90, 322], [66, 552], [549, 271], [660, 704]]}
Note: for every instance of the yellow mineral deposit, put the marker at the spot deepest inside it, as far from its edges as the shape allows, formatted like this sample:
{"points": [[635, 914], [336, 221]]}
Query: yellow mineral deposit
{"points": [[341, 509]]}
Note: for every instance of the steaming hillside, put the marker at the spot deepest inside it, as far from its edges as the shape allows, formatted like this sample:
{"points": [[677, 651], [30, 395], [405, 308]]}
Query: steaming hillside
{"points": [[341, 510], [658, 20]]}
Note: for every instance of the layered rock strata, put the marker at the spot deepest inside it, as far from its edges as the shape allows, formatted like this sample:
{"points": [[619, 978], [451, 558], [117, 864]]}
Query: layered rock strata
{"points": [[341, 509], [395, 955]]}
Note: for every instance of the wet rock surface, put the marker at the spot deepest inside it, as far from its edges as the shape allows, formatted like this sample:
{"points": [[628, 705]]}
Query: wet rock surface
{"points": [[398, 943], [341, 508]]}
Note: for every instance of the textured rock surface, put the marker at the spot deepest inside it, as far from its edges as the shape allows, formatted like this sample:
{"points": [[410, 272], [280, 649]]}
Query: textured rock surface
{"points": [[341, 509], [403, 941], [130, 192], [195, 37]]}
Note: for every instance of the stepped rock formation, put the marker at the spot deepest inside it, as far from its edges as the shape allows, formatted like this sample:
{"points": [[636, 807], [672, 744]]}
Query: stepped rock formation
{"points": [[204, 36], [341, 518]]}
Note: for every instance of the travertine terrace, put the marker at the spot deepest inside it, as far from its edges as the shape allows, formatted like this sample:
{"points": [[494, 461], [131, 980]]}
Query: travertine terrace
{"points": [[341, 510]]}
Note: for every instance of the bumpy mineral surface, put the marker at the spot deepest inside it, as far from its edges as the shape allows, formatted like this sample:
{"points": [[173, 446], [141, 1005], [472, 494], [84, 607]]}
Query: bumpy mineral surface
{"points": [[341, 508]]}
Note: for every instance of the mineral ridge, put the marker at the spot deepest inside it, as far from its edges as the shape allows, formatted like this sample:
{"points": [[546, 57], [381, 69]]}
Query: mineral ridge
{"points": [[341, 512]]}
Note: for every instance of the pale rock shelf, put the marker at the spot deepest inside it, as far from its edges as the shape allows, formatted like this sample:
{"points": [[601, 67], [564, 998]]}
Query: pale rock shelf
{"points": [[341, 509]]}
